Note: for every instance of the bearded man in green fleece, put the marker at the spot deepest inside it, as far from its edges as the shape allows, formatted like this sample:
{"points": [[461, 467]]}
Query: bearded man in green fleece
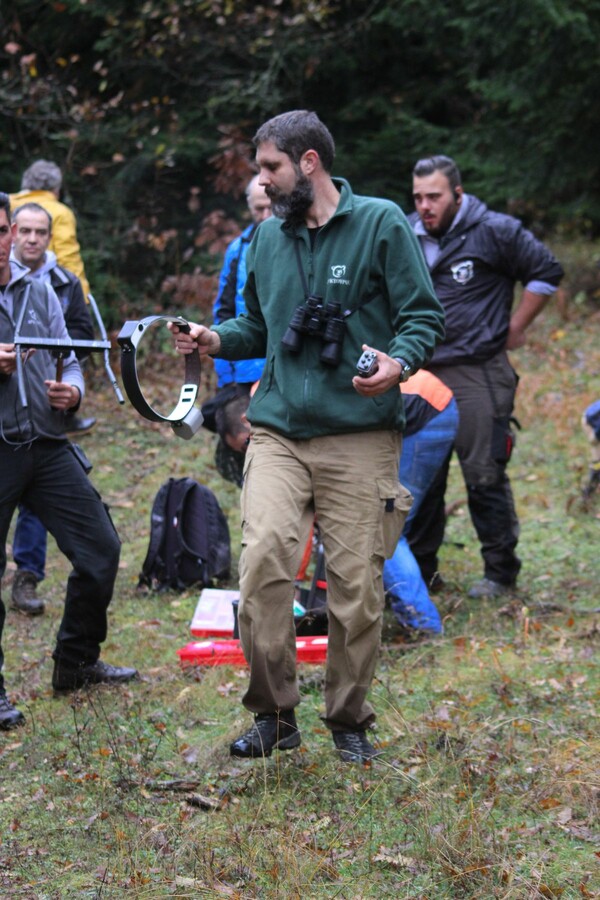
{"points": [[329, 275]]}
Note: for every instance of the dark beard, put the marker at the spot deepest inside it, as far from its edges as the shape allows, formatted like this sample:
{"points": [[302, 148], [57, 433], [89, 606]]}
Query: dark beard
{"points": [[445, 222], [294, 206]]}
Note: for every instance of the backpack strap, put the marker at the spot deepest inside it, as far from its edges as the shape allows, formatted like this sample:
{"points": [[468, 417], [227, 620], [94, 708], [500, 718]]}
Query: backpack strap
{"points": [[184, 547], [212, 549], [157, 533]]}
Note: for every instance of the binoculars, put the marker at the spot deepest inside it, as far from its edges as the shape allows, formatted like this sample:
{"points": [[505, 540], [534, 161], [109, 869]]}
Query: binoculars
{"points": [[314, 319]]}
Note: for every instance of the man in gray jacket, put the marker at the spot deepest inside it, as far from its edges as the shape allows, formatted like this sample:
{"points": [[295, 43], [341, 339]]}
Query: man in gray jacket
{"points": [[39, 466], [30, 247]]}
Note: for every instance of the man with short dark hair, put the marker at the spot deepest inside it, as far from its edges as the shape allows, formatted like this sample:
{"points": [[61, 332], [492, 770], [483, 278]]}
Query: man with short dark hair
{"points": [[333, 275], [31, 248], [38, 466], [476, 257]]}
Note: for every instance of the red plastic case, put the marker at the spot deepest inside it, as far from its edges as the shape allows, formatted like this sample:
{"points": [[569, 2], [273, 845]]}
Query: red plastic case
{"points": [[229, 652]]}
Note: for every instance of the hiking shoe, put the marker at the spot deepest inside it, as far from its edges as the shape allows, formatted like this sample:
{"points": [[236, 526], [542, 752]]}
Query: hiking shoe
{"points": [[10, 717], [271, 731], [353, 746], [24, 597], [69, 678], [486, 589]]}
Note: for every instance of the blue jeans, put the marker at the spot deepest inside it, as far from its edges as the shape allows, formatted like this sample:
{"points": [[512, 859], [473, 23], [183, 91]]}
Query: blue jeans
{"points": [[30, 542], [422, 455]]}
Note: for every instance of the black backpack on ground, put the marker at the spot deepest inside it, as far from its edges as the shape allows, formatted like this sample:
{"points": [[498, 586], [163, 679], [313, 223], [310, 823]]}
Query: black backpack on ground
{"points": [[189, 538]]}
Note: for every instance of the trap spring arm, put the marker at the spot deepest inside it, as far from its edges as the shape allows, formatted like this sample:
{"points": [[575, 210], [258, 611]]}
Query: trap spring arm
{"points": [[102, 330]]}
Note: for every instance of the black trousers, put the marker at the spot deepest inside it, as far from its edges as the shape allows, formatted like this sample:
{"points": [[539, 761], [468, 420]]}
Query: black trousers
{"points": [[47, 476], [482, 391]]}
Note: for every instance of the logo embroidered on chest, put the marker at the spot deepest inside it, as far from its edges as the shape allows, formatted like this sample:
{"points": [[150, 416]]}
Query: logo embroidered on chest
{"points": [[33, 318], [337, 275], [463, 271]]}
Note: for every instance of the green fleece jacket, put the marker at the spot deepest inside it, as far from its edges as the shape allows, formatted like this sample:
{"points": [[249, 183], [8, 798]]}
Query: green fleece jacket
{"points": [[366, 258]]}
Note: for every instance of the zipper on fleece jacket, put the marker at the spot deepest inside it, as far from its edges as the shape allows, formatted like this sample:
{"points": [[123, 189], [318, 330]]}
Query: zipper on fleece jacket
{"points": [[309, 284], [310, 276]]}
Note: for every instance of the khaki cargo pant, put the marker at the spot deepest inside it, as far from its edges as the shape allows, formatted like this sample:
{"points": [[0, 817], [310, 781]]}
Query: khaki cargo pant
{"points": [[350, 482]]}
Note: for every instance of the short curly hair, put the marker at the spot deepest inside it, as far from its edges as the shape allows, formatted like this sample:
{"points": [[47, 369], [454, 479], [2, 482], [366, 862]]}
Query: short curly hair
{"points": [[42, 175]]}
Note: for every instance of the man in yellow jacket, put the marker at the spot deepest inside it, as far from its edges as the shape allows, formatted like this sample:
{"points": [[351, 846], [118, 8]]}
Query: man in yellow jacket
{"points": [[41, 183]]}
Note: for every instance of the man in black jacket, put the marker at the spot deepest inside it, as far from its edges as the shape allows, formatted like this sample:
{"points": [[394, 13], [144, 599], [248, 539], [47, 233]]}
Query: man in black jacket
{"points": [[476, 257], [33, 233]]}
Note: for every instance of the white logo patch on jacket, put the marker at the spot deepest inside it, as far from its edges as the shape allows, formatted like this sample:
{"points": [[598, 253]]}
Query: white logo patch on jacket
{"points": [[463, 271], [338, 273]]}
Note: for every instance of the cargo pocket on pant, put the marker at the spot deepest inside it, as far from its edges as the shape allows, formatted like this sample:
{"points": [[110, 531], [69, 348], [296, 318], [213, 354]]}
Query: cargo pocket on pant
{"points": [[395, 502]]}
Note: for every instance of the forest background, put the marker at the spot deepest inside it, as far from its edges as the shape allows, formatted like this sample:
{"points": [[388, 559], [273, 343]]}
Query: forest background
{"points": [[149, 108], [488, 784]]}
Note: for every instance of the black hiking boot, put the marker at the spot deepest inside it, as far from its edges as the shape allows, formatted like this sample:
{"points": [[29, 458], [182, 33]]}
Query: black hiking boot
{"points": [[271, 731], [10, 717], [353, 747], [486, 589], [70, 678]]}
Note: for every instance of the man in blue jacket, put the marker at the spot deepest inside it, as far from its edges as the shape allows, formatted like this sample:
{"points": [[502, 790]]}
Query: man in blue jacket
{"points": [[329, 275], [230, 302], [476, 257]]}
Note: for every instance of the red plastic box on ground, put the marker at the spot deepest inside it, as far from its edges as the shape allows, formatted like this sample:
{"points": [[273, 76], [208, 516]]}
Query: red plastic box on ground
{"points": [[229, 652]]}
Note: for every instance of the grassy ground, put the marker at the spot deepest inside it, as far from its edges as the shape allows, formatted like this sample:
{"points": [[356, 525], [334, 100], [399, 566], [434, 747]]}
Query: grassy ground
{"points": [[488, 785]]}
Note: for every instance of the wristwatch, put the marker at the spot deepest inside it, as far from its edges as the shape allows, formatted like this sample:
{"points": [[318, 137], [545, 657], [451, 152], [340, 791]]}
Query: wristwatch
{"points": [[406, 369]]}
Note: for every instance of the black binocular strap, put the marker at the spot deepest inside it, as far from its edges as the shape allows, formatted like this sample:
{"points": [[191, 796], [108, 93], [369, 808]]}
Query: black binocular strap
{"points": [[300, 269]]}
